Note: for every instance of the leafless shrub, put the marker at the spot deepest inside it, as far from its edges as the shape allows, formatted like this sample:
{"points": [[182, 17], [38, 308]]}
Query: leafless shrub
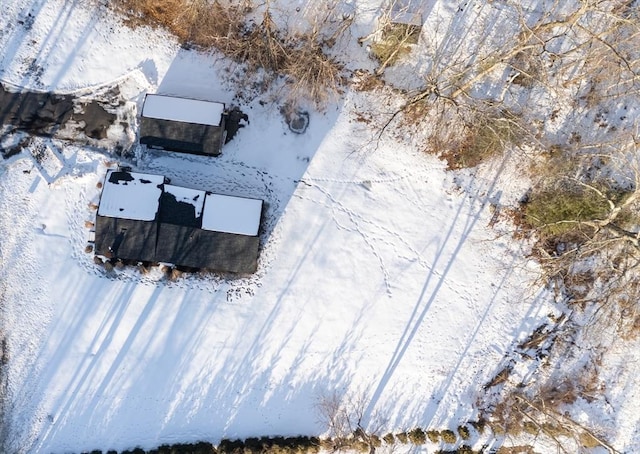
{"points": [[312, 74], [528, 68], [197, 22], [343, 417], [366, 81], [485, 134]]}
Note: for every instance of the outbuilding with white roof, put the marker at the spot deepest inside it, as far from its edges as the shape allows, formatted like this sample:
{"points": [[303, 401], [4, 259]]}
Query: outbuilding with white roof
{"points": [[182, 124]]}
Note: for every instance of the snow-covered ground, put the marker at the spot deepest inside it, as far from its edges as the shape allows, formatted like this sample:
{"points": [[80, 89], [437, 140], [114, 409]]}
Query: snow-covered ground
{"points": [[379, 273]]}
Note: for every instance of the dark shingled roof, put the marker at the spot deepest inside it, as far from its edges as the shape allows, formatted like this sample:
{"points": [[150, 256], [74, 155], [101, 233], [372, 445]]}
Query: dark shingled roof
{"points": [[196, 248], [126, 239]]}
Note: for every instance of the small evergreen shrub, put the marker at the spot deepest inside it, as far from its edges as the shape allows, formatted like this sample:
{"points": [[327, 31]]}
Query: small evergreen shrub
{"points": [[417, 436], [464, 433], [556, 210], [465, 449], [479, 425], [253, 445], [402, 438], [375, 441], [530, 428], [448, 436], [587, 441], [361, 446], [231, 446], [326, 443], [433, 436], [389, 438], [394, 43], [484, 136], [204, 447]]}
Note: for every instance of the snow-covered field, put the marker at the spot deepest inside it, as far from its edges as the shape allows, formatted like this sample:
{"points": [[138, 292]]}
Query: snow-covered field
{"points": [[379, 273]]}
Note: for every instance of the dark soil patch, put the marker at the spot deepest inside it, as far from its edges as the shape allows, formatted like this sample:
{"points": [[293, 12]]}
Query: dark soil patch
{"points": [[44, 114], [37, 113], [96, 120], [235, 120]]}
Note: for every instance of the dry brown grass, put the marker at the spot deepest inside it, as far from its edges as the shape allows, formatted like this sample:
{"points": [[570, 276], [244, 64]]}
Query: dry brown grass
{"points": [[366, 81], [299, 58], [395, 43], [196, 22]]}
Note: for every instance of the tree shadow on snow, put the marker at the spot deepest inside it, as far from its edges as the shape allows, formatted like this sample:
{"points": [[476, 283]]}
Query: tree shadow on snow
{"points": [[124, 363]]}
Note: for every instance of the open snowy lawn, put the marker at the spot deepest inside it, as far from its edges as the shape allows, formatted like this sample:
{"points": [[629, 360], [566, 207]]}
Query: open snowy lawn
{"points": [[381, 282], [378, 276]]}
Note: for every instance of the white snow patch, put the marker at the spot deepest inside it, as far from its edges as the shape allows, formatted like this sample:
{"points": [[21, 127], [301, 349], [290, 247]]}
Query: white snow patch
{"points": [[183, 109], [137, 199], [223, 213]]}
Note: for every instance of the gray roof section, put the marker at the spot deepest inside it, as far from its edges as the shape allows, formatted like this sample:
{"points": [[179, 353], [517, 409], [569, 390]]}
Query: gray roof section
{"points": [[126, 239]]}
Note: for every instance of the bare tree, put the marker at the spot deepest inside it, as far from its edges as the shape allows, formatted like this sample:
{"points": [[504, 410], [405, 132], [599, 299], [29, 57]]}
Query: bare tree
{"points": [[343, 416]]}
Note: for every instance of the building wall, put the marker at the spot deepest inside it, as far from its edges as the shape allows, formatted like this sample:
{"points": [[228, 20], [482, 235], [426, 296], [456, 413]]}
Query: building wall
{"points": [[184, 137]]}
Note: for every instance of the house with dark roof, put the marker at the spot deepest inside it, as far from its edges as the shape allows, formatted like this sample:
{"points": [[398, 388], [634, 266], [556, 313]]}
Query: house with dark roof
{"points": [[183, 124], [143, 218]]}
